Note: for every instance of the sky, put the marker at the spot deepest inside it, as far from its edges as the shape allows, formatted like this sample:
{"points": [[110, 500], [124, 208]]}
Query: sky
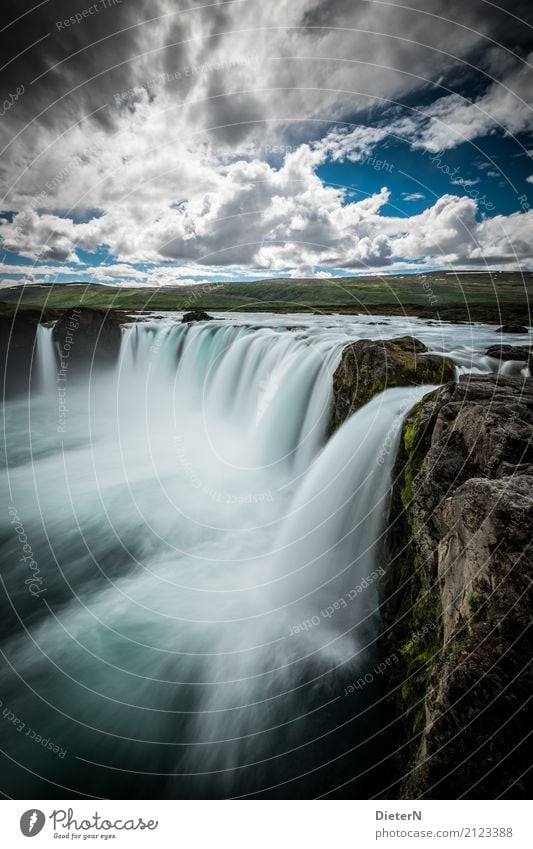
{"points": [[164, 142]]}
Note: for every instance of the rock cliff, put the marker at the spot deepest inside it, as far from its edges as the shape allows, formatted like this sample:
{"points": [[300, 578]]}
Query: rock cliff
{"points": [[88, 337], [457, 596], [18, 349]]}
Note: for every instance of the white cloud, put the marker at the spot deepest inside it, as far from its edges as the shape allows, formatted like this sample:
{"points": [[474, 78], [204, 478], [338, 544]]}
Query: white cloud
{"points": [[272, 221], [34, 271], [253, 215], [41, 237], [19, 274], [462, 181], [505, 106], [354, 145]]}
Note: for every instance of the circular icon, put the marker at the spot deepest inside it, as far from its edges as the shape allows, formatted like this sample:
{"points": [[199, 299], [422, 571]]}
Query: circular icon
{"points": [[32, 822]]}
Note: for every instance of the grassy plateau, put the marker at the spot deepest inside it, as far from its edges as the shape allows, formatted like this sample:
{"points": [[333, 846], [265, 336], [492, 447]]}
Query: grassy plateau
{"points": [[492, 297]]}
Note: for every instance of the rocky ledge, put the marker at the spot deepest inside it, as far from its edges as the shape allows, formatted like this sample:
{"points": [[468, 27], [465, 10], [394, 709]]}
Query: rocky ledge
{"points": [[457, 595], [196, 315], [368, 367], [88, 337], [18, 330]]}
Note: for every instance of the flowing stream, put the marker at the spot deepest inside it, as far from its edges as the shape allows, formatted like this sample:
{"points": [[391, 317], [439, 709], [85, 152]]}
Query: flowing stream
{"points": [[190, 569]]}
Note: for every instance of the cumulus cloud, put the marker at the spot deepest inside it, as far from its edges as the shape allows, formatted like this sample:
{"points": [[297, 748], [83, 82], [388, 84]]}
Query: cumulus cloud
{"points": [[41, 237], [274, 220]]}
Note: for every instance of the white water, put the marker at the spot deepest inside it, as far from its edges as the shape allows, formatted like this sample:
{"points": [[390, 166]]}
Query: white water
{"points": [[46, 360], [194, 539]]}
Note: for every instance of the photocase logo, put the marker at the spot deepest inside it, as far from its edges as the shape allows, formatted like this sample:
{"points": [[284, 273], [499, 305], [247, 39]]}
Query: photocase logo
{"points": [[32, 822]]}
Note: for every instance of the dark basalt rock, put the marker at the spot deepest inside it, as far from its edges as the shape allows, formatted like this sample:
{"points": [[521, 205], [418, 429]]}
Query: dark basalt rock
{"points": [[88, 338], [368, 367], [513, 328], [18, 330], [196, 315], [457, 595], [522, 353]]}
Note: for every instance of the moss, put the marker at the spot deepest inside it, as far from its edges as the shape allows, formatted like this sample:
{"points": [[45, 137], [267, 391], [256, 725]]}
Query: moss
{"points": [[415, 622], [453, 652], [474, 602], [415, 445], [368, 367]]}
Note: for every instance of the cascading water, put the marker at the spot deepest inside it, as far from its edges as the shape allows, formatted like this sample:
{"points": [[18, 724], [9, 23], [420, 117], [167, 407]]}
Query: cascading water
{"points": [[200, 583], [46, 359]]}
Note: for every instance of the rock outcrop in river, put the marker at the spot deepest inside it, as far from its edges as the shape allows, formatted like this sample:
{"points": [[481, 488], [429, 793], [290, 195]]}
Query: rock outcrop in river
{"points": [[517, 353], [457, 597], [196, 315], [367, 367]]}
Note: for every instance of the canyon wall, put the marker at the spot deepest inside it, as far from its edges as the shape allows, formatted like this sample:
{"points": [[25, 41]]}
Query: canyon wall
{"points": [[457, 597]]}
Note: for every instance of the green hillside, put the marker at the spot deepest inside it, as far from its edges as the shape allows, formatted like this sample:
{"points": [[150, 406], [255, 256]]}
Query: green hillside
{"points": [[427, 293]]}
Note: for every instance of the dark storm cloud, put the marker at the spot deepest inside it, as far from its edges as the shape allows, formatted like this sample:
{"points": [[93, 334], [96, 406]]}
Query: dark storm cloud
{"points": [[110, 44], [454, 43], [103, 45], [505, 24]]}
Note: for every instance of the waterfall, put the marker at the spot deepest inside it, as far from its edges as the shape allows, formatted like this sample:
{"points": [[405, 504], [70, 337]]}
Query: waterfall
{"points": [[46, 360], [257, 400], [334, 532], [205, 578]]}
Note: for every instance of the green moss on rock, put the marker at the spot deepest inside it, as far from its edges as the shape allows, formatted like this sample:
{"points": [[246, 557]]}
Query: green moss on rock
{"points": [[411, 606], [368, 367], [455, 607]]}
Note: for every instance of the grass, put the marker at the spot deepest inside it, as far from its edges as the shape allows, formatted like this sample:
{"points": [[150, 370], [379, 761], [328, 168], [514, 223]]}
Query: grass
{"points": [[510, 292]]}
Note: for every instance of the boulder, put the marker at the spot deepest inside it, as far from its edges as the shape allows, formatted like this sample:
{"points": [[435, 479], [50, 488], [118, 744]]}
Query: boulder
{"points": [[457, 594], [196, 315], [520, 353], [368, 367], [513, 328]]}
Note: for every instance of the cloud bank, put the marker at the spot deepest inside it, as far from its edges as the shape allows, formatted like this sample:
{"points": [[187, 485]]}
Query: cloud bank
{"points": [[197, 136]]}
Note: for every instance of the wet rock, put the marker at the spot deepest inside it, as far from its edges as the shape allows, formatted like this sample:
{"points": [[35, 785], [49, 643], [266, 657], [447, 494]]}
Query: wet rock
{"points": [[521, 353], [87, 338], [457, 596], [196, 315], [368, 367], [513, 328], [18, 330]]}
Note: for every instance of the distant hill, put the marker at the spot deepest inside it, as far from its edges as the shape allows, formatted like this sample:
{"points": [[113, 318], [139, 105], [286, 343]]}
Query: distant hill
{"points": [[430, 294]]}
